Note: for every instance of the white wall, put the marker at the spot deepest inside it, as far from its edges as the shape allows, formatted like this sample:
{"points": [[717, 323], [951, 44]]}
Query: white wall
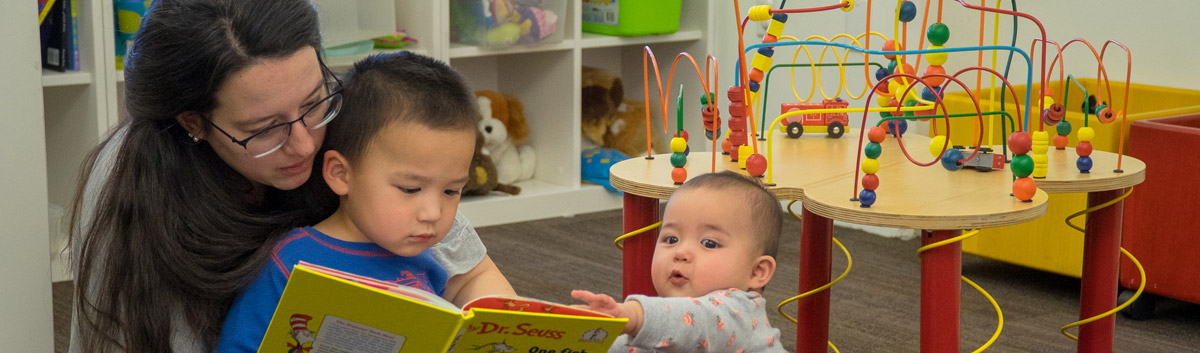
{"points": [[25, 302]]}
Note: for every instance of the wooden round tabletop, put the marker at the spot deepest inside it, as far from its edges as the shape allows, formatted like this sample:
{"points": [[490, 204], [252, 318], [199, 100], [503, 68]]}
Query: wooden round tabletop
{"points": [[1062, 176], [821, 171]]}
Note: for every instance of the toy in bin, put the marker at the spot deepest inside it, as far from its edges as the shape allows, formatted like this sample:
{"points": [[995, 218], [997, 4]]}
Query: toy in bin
{"points": [[502, 23]]}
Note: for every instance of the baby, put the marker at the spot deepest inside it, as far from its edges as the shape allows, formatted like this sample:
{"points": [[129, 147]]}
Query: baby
{"points": [[715, 252]]}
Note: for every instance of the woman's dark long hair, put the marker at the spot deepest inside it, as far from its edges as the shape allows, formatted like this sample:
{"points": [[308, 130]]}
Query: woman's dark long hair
{"points": [[176, 230]]}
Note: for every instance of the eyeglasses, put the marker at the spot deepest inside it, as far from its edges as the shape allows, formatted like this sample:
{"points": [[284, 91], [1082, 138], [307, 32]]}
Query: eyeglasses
{"points": [[269, 140]]}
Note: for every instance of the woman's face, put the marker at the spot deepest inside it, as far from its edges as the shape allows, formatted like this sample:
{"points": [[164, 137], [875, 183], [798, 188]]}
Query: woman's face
{"points": [[268, 93]]}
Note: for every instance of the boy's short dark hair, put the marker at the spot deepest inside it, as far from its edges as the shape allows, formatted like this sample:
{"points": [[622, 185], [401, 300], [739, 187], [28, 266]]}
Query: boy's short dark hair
{"points": [[760, 202], [395, 88]]}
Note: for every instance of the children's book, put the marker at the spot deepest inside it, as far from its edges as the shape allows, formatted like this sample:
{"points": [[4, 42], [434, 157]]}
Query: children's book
{"points": [[324, 310]]}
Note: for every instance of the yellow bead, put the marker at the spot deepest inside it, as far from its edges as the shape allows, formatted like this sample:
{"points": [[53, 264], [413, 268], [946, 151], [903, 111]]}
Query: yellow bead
{"points": [[1041, 142], [870, 165], [1040, 165], [678, 145], [937, 59], [1086, 134], [936, 144], [1047, 101], [849, 5], [744, 152], [760, 13]]}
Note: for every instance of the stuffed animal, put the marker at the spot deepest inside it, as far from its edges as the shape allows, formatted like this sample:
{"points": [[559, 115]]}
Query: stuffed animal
{"points": [[502, 123], [481, 177], [611, 121]]}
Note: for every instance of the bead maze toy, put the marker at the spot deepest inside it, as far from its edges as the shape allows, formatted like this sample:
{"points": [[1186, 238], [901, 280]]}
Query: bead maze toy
{"points": [[902, 91]]}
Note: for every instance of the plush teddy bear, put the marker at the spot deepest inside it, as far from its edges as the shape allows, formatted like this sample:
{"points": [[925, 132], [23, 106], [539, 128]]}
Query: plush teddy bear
{"points": [[611, 121], [481, 177], [502, 123]]}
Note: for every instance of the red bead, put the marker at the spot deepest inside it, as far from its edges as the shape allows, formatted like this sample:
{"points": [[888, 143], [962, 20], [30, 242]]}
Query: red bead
{"points": [[756, 165], [725, 146], [1083, 149], [877, 134], [905, 69], [735, 94], [930, 75], [679, 175], [870, 182], [890, 45], [1060, 141], [1020, 142], [1047, 91], [1024, 188], [684, 133]]}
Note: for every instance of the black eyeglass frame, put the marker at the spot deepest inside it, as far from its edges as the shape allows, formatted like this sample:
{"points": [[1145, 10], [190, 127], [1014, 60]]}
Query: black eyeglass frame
{"points": [[287, 125]]}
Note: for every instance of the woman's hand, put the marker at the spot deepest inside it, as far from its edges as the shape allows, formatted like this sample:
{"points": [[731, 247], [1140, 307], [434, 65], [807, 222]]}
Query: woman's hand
{"points": [[602, 303]]}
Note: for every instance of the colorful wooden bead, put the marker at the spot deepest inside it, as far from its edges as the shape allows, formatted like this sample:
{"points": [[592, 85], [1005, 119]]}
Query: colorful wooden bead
{"points": [[1041, 142], [678, 145], [883, 100], [1063, 128], [678, 160], [870, 165], [876, 134], [744, 151], [1020, 142], [678, 175], [881, 73], [889, 46], [1084, 164], [872, 150], [1060, 141], [1086, 134], [726, 146], [897, 127], [1047, 101], [756, 165], [950, 159], [938, 33], [937, 144], [908, 11], [1083, 149], [937, 58], [930, 93], [1022, 165], [870, 182], [1024, 189], [931, 75], [866, 198], [1040, 165]]}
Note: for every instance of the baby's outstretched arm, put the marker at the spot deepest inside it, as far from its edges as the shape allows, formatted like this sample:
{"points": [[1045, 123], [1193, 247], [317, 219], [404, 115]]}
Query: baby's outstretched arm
{"points": [[603, 303]]}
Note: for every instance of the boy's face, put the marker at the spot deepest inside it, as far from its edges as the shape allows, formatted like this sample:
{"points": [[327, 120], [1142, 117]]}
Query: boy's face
{"points": [[705, 244], [404, 192]]}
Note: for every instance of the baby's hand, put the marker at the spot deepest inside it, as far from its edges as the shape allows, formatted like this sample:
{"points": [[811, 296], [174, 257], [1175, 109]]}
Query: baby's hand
{"points": [[605, 304]]}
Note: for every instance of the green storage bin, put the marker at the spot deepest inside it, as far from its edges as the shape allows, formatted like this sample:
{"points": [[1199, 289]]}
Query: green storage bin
{"points": [[628, 18]]}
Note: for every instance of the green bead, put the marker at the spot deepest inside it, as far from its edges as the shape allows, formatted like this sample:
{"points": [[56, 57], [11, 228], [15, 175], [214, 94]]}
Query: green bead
{"points": [[1022, 165], [938, 34], [678, 160], [892, 65], [910, 103], [885, 115], [705, 98], [1064, 128], [872, 150]]}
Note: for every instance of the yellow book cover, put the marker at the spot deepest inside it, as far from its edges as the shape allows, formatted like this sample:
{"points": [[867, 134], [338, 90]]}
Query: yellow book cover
{"points": [[324, 310]]}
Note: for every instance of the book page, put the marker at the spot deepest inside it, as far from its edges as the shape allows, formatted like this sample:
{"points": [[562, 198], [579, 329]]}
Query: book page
{"points": [[517, 303], [338, 335]]}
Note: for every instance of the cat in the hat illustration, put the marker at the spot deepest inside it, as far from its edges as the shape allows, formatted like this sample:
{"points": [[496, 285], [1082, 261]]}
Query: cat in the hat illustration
{"points": [[301, 333]]}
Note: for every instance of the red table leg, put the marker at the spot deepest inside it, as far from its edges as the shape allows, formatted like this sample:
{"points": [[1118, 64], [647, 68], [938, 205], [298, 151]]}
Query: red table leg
{"points": [[941, 270], [812, 328], [1101, 257], [639, 212]]}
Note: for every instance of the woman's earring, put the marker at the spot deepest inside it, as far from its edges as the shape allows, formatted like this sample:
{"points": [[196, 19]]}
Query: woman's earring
{"points": [[194, 138]]}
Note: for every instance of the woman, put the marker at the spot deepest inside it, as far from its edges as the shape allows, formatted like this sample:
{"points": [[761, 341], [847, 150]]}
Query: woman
{"points": [[227, 104]]}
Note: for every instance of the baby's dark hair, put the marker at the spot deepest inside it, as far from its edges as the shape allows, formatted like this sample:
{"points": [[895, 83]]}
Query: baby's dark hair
{"points": [[762, 205], [395, 88]]}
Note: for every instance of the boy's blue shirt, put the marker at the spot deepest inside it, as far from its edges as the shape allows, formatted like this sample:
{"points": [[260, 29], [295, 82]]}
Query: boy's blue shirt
{"points": [[252, 309]]}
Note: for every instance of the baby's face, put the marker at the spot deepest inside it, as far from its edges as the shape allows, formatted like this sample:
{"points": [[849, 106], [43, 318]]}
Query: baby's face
{"points": [[705, 244], [404, 192]]}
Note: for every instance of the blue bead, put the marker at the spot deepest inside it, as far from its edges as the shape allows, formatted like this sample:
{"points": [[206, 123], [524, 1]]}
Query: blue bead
{"points": [[950, 159], [928, 94], [897, 125], [1084, 164], [866, 198], [753, 86], [908, 11], [766, 51], [881, 73], [781, 17]]}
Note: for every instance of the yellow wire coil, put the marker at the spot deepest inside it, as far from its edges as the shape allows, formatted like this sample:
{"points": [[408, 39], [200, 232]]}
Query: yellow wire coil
{"points": [[849, 263], [999, 313], [618, 240], [1141, 270]]}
